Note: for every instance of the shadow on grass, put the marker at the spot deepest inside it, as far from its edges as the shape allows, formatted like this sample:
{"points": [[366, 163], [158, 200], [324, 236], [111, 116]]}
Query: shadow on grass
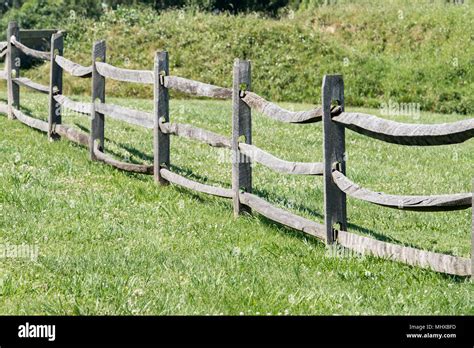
{"points": [[135, 152], [265, 195], [82, 128], [187, 172]]}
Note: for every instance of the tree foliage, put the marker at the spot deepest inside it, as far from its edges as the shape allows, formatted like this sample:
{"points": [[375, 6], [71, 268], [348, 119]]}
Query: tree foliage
{"points": [[95, 8]]}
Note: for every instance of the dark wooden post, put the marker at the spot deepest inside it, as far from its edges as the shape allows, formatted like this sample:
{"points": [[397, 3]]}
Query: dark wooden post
{"points": [[241, 126], [472, 234], [55, 83], [13, 64], [98, 95], [334, 158], [161, 146]]}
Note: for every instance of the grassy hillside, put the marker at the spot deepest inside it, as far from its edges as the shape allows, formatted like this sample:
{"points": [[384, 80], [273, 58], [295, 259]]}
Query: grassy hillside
{"points": [[404, 51], [115, 243]]}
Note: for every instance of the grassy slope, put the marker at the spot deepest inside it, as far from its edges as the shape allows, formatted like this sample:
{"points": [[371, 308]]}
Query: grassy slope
{"points": [[407, 51], [115, 243]]}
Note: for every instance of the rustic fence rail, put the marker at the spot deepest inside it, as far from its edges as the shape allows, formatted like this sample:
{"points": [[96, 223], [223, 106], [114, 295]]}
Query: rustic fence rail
{"points": [[334, 119]]}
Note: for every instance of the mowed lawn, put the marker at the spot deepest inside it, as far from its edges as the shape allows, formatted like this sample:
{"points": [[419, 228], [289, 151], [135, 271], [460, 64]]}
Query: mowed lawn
{"points": [[112, 242]]}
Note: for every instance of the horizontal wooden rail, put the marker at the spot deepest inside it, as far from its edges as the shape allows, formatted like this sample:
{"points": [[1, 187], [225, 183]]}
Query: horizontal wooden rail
{"points": [[196, 88], [63, 130], [277, 113], [282, 216], [193, 185], [3, 75], [132, 116], [29, 51], [82, 108], [406, 133], [23, 81], [129, 167], [279, 165], [30, 121], [3, 48], [415, 257], [72, 68], [195, 133], [72, 134], [127, 75], [421, 203], [3, 108]]}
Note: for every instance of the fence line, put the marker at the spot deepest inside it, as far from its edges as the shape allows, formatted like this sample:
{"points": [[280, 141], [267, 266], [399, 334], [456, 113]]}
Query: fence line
{"points": [[420, 203], [335, 120]]}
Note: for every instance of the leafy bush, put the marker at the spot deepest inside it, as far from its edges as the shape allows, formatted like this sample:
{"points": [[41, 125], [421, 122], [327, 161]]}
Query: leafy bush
{"points": [[388, 51]]}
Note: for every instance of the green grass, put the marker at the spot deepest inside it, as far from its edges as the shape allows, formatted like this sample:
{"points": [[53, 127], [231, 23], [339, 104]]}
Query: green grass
{"points": [[112, 242]]}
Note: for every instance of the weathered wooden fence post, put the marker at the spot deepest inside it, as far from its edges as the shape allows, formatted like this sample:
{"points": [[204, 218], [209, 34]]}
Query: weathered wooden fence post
{"points": [[334, 158], [55, 83], [161, 146], [241, 126], [98, 95], [13, 64]]}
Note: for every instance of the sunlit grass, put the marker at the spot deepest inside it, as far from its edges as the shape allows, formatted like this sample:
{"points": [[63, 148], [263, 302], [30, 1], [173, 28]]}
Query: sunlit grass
{"points": [[116, 243]]}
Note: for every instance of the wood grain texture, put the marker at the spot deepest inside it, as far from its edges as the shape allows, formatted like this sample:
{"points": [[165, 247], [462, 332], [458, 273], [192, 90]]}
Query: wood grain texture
{"points": [[406, 133], [26, 82], [72, 134], [30, 121], [277, 113], [161, 111], [195, 133], [196, 186], [129, 167], [72, 68], [241, 126], [55, 83], [282, 216], [420, 203], [411, 256], [29, 51], [82, 108], [197, 88], [335, 210], [132, 116], [98, 95], [3, 108], [126, 75], [37, 33], [3, 53], [259, 156], [13, 64]]}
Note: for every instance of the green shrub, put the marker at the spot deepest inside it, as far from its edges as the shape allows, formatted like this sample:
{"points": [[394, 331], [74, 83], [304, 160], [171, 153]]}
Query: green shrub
{"points": [[400, 51]]}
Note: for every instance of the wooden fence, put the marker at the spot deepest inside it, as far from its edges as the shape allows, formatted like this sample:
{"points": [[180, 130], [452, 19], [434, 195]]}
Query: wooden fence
{"points": [[335, 120]]}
